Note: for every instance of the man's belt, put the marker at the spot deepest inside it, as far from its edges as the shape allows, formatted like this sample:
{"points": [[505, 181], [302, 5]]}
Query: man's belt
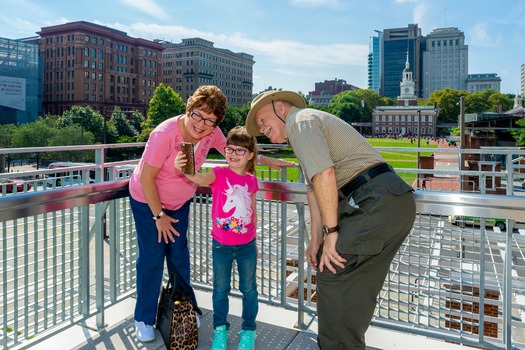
{"points": [[363, 178]]}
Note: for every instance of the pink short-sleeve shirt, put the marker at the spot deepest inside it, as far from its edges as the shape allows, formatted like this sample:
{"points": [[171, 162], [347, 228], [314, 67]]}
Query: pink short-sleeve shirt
{"points": [[160, 152]]}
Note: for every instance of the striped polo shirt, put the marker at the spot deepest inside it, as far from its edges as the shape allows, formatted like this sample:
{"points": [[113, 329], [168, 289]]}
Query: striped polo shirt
{"points": [[321, 140]]}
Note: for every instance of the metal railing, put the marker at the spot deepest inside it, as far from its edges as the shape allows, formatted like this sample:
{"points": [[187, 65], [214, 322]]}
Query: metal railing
{"points": [[69, 253]]}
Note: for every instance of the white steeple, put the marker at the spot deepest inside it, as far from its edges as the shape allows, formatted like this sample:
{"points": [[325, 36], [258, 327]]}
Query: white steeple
{"points": [[407, 85]]}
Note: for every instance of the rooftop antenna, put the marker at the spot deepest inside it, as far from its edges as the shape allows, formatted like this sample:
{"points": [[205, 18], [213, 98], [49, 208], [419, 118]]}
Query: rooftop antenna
{"points": [[445, 17]]}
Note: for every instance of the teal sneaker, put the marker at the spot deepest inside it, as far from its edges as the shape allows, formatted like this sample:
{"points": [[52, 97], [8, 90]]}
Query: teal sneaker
{"points": [[220, 338], [247, 341]]}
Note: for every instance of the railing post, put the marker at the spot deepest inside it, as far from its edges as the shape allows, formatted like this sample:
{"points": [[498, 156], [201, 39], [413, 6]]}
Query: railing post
{"points": [[99, 263], [301, 232], [507, 289], [84, 261]]}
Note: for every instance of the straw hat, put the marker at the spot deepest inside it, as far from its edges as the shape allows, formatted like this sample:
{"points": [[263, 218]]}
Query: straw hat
{"points": [[267, 97]]}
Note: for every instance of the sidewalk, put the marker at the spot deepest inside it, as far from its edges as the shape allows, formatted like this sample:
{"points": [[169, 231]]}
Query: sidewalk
{"points": [[443, 161], [275, 330]]}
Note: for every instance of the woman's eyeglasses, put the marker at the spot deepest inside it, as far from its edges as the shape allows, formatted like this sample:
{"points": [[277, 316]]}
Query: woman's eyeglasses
{"points": [[198, 118], [237, 151]]}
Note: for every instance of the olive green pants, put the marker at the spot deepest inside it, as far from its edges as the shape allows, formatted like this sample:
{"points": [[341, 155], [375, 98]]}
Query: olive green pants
{"points": [[373, 223]]}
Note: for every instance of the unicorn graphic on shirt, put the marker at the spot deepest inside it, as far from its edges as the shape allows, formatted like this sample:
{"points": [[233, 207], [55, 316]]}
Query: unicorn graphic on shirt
{"points": [[237, 197]]}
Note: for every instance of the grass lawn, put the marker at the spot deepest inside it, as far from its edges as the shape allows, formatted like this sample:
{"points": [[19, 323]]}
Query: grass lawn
{"points": [[406, 160]]}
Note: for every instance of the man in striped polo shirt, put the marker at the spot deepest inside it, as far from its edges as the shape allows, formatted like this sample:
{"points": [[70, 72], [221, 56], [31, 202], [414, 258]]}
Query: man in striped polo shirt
{"points": [[360, 210]]}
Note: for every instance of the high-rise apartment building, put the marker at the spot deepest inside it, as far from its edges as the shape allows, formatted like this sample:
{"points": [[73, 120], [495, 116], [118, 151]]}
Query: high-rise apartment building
{"points": [[92, 65], [480, 82], [522, 86], [374, 62], [445, 61], [196, 62], [20, 82], [396, 43]]}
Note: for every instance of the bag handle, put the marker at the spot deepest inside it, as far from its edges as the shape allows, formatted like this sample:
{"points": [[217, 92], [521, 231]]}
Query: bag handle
{"points": [[174, 290]]}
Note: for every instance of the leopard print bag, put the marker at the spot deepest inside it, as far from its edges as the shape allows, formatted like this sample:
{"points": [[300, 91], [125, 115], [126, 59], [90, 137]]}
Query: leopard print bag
{"points": [[176, 320]]}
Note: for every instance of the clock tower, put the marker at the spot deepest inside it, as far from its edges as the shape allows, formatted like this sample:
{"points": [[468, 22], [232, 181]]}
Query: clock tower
{"points": [[407, 87]]}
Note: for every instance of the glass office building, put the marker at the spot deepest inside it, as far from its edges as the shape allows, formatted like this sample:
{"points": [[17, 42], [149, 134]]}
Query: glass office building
{"points": [[396, 43], [374, 62], [20, 82]]}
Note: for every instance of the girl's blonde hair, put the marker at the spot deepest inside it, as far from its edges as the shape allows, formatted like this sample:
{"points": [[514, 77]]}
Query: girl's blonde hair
{"points": [[238, 136]]}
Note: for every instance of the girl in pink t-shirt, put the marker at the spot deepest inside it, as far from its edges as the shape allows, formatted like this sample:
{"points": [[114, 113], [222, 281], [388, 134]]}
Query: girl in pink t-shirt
{"points": [[234, 217]]}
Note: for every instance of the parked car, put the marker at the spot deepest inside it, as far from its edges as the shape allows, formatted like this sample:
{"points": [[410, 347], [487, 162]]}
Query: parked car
{"points": [[19, 184], [473, 220]]}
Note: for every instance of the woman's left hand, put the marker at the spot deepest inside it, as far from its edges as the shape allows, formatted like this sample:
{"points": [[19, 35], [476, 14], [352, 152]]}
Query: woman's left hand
{"points": [[165, 229]]}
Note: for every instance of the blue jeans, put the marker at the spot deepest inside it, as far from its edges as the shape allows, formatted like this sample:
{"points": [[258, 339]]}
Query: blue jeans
{"points": [[150, 261], [223, 257]]}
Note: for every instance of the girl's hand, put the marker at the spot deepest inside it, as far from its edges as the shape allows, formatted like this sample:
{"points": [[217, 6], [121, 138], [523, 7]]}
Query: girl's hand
{"points": [[275, 163]]}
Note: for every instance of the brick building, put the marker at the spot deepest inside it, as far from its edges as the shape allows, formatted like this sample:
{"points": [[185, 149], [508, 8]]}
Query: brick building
{"points": [[195, 62], [89, 64]]}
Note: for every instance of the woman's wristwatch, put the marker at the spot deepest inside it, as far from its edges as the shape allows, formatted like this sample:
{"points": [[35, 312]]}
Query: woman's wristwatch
{"points": [[155, 218]]}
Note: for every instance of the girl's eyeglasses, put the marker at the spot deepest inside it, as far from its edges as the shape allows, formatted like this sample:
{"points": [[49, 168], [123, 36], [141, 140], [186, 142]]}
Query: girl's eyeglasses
{"points": [[237, 151]]}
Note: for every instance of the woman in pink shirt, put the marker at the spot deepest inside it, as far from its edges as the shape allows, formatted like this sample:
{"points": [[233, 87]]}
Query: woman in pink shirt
{"points": [[160, 198], [234, 216]]}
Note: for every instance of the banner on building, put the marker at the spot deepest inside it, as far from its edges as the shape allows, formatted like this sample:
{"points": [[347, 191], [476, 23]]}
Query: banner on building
{"points": [[13, 93]]}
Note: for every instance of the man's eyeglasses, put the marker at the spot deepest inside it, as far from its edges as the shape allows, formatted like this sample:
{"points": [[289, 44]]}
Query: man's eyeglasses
{"points": [[198, 118], [238, 151]]}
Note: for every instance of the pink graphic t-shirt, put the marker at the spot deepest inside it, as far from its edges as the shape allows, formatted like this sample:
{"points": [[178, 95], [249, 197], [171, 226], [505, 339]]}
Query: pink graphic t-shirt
{"points": [[160, 152], [232, 212]]}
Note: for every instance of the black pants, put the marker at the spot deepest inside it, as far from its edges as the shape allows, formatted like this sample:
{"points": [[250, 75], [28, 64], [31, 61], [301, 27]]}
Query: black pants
{"points": [[373, 223]]}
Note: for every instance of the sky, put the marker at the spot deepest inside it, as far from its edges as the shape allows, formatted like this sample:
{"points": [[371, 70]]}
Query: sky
{"points": [[295, 43]]}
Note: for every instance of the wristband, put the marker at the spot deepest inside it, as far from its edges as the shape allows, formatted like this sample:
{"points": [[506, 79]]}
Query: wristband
{"points": [[258, 159], [155, 218]]}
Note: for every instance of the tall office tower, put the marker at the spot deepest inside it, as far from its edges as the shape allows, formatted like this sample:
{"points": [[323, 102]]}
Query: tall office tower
{"points": [[20, 84], [88, 64], [374, 62], [445, 61], [522, 86], [396, 43], [196, 62]]}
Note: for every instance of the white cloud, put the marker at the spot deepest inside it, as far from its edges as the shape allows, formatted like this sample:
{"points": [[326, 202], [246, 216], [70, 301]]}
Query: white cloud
{"points": [[419, 12], [479, 35], [147, 6], [278, 51], [315, 3]]}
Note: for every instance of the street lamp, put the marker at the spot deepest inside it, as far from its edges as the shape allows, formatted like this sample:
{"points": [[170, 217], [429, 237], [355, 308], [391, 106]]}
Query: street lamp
{"points": [[461, 138], [418, 137]]}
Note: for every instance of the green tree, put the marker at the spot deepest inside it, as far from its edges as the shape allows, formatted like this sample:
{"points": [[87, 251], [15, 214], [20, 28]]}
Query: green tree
{"points": [[123, 127], [498, 99], [36, 134], [89, 119], [448, 102], [164, 104], [234, 116], [478, 102], [519, 134], [370, 100], [136, 120], [6, 134], [347, 106]]}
